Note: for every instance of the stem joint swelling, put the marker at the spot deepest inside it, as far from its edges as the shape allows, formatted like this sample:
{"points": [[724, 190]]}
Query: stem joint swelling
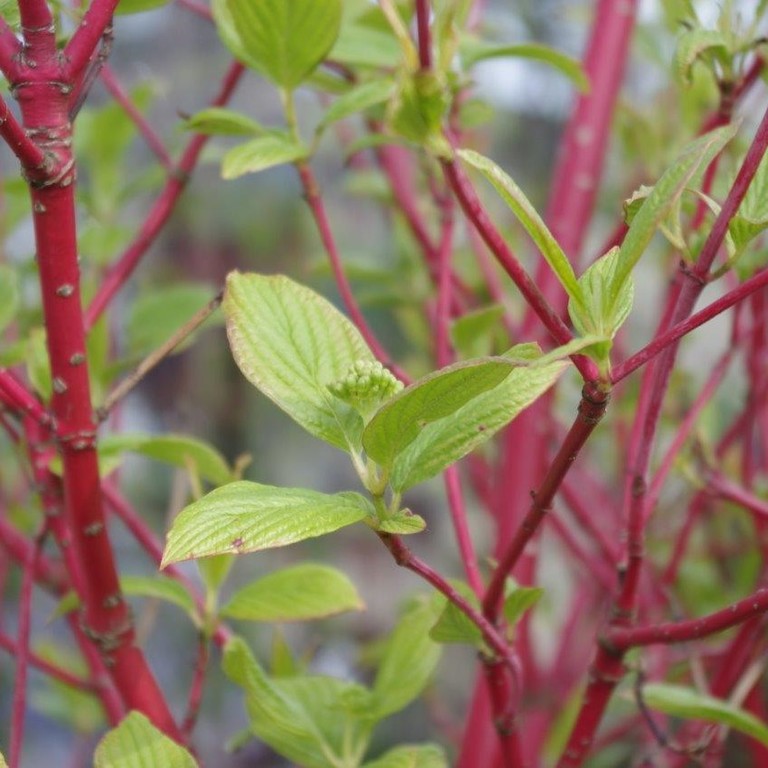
{"points": [[113, 639]]}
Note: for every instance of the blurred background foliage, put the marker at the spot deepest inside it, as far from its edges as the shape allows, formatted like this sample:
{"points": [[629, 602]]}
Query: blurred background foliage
{"points": [[170, 61]]}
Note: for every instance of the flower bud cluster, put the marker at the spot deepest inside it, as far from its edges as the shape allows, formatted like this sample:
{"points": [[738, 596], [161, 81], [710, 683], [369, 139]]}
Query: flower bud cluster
{"points": [[367, 384]]}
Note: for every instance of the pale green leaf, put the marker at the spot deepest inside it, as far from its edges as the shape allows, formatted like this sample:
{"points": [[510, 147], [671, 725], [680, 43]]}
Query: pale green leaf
{"points": [[697, 44], [472, 333], [602, 313], [9, 296], [752, 217], [38, 367], [305, 719], [454, 626], [693, 159], [356, 100], [443, 442], [124, 7], [291, 343], [365, 46], [410, 657], [178, 450], [286, 39], [681, 701], [298, 593], [418, 107], [411, 756], [474, 50], [520, 600], [136, 743], [214, 571], [229, 35], [262, 153], [160, 588], [158, 312], [3, 764], [526, 214], [438, 395], [403, 523], [226, 122], [246, 517]]}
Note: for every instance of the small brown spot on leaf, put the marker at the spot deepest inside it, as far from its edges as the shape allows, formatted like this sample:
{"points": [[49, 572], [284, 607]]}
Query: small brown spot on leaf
{"points": [[238, 543]]}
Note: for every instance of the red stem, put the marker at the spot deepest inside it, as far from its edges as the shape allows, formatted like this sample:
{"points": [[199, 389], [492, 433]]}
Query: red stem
{"points": [[10, 47], [461, 529], [49, 668], [591, 409], [16, 396], [84, 42], [161, 211], [196, 688], [621, 639], [684, 327], [19, 706], [154, 142], [422, 28], [29, 154], [315, 202]]}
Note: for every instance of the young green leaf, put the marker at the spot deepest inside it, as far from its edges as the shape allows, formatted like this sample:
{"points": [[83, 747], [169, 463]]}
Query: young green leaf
{"points": [[9, 295], [365, 46], [752, 217], [698, 45], [246, 517], [177, 450], [136, 743], [403, 522], [693, 159], [262, 153], [214, 571], [474, 50], [454, 626], [3, 764], [299, 593], [410, 648], [443, 442], [358, 99], [417, 109], [219, 121], [160, 588], [286, 39], [680, 701], [124, 7], [472, 333], [229, 34], [291, 343], [402, 418], [411, 756], [520, 600], [602, 313], [529, 218], [305, 719]]}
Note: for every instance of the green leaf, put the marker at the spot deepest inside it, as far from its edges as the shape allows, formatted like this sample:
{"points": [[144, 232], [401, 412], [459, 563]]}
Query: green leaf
{"points": [[214, 571], [417, 109], [229, 35], [472, 333], [520, 600], [474, 50], [529, 218], [136, 743], [454, 626], [356, 100], [698, 44], [159, 312], [286, 39], [262, 153], [410, 657], [603, 313], [177, 450], [125, 7], [247, 517], [308, 720], [225, 122], [693, 159], [291, 343], [752, 216], [38, 367], [411, 756], [9, 296], [680, 701], [403, 417], [160, 588], [3, 764], [443, 442], [365, 46], [306, 591], [403, 522]]}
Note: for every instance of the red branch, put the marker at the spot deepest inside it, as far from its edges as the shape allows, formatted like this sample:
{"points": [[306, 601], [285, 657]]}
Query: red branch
{"points": [[83, 43], [161, 211]]}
